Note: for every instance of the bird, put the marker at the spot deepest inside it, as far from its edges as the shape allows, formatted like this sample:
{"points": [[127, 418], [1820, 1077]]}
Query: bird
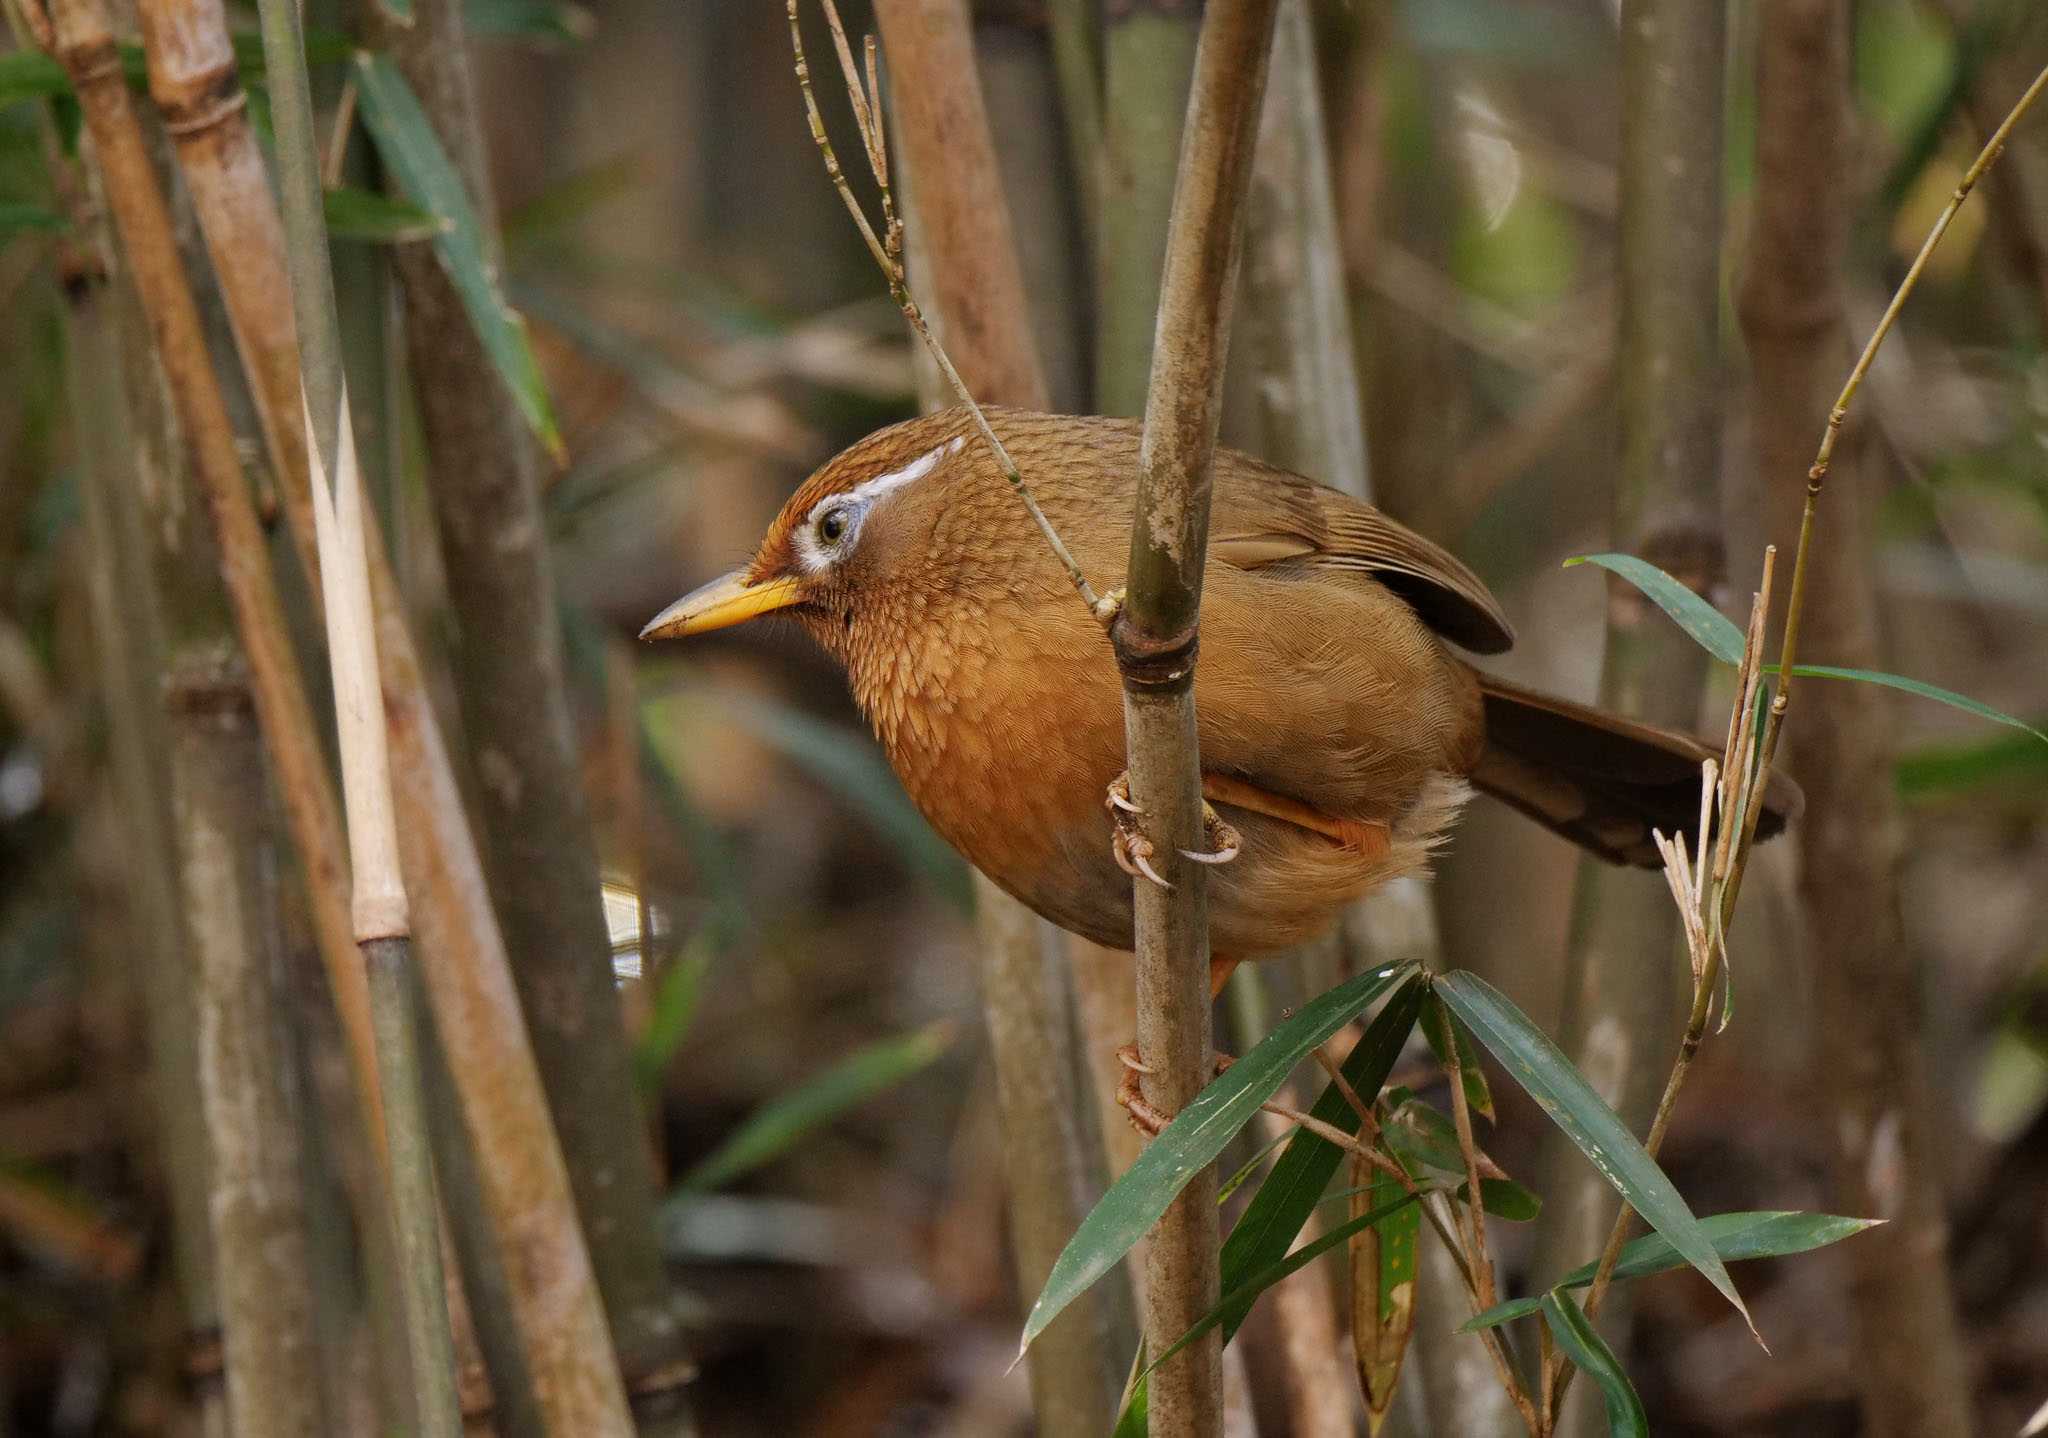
{"points": [[1340, 731]]}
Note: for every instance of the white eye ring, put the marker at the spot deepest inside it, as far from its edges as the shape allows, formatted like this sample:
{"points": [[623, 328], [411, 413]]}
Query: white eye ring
{"points": [[834, 525]]}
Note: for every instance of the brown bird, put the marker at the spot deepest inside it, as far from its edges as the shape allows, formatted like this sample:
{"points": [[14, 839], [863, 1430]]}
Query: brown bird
{"points": [[1340, 735]]}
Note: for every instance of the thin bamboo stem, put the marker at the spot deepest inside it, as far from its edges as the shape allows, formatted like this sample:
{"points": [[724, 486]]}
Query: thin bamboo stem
{"points": [[1154, 638]]}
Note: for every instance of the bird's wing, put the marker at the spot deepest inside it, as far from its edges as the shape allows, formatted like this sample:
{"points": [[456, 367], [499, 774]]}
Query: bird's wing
{"points": [[1267, 519]]}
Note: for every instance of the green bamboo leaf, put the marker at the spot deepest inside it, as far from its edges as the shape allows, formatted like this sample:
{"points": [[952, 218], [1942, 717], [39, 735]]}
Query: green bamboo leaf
{"points": [[782, 1121], [1543, 1071], [676, 996], [1766, 1233], [1383, 1291], [1238, 1299], [1712, 630], [1275, 1216], [1914, 686], [1504, 1198], [1191, 1142], [354, 214], [406, 141], [1935, 771], [30, 75], [1582, 1343], [532, 22], [19, 217]]}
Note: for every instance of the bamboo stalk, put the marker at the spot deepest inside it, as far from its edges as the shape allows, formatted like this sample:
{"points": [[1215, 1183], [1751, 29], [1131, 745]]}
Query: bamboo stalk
{"points": [[541, 863], [963, 253], [1148, 57], [1155, 636], [379, 909], [245, 1083], [1623, 983]]}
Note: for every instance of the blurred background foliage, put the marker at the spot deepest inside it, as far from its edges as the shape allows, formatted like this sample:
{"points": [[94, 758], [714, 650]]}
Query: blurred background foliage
{"points": [[794, 942]]}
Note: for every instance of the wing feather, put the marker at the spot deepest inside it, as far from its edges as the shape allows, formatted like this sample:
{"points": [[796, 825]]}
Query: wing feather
{"points": [[1267, 519]]}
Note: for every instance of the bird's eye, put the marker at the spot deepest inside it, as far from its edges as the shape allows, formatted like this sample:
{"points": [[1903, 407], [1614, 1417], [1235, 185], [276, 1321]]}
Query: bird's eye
{"points": [[832, 525]]}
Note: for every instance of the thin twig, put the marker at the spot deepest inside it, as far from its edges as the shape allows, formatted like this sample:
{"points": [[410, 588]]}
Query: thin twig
{"points": [[886, 249]]}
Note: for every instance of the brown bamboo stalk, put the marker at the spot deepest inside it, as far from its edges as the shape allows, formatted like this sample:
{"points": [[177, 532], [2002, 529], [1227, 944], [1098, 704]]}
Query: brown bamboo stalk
{"points": [[1155, 641], [963, 255], [1871, 1059], [541, 862], [79, 36]]}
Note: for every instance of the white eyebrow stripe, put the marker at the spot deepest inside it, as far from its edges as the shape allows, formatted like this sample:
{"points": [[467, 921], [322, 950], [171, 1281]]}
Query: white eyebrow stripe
{"points": [[873, 489]]}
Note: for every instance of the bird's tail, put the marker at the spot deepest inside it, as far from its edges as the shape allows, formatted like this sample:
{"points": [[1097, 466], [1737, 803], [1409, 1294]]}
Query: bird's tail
{"points": [[1599, 780]]}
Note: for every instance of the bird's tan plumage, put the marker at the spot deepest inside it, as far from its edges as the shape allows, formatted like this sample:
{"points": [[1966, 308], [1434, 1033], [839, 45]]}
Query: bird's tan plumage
{"points": [[1324, 674]]}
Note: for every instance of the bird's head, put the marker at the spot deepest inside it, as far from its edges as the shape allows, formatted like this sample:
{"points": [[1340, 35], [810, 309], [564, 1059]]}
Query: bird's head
{"points": [[851, 529]]}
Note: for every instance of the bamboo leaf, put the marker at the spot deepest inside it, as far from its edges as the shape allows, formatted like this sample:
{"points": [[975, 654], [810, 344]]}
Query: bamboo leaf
{"points": [[30, 75], [1583, 1344], [1767, 1233], [1275, 1216], [1504, 1198], [783, 1121], [676, 996], [1712, 630], [2006, 759], [354, 214], [1914, 686], [1238, 1299], [1544, 1072], [19, 217], [1383, 1290], [532, 22], [406, 140], [1191, 1142]]}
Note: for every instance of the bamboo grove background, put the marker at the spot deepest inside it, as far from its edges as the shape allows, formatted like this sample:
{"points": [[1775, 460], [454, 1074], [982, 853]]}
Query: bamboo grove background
{"points": [[1545, 277]]}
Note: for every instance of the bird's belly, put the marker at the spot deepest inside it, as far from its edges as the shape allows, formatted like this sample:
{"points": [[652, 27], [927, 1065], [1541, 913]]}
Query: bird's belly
{"points": [[1285, 886]]}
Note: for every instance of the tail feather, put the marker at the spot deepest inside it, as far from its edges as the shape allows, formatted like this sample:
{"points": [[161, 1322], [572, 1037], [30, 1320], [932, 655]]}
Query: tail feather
{"points": [[1602, 781]]}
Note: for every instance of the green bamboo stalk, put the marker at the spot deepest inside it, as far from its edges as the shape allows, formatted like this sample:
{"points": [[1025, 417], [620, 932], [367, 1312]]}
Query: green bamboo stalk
{"points": [[1155, 642], [382, 925]]}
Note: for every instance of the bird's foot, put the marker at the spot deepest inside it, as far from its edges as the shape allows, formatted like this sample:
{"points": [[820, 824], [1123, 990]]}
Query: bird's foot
{"points": [[1130, 1096], [1133, 851], [1221, 836], [1129, 847]]}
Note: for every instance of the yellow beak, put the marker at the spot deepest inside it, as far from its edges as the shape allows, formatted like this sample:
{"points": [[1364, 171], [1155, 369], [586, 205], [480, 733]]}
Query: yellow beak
{"points": [[721, 603]]}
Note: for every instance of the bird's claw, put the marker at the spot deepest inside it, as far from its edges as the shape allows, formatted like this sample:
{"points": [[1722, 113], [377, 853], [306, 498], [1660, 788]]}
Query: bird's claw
{"points": [[1130, 1096], [1222, 838], [1129, 847]]}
